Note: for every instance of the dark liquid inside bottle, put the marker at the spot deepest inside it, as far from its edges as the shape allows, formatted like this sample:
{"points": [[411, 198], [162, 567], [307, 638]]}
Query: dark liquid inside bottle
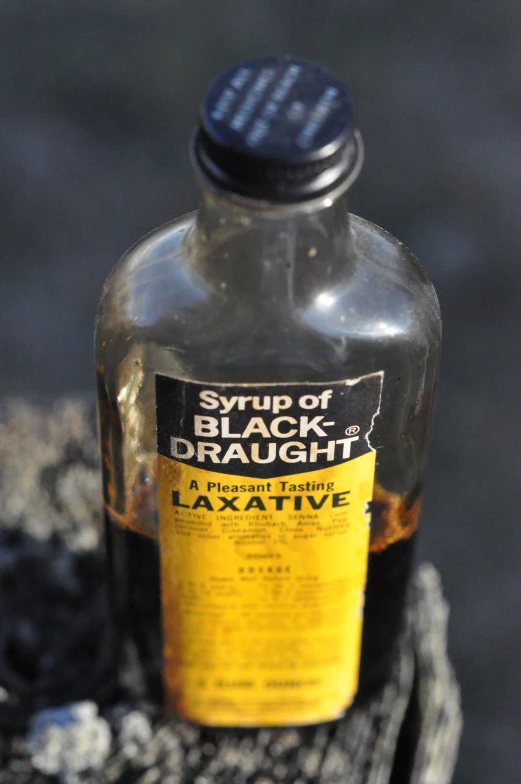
{"points": [[134, 559], [134, 563]]}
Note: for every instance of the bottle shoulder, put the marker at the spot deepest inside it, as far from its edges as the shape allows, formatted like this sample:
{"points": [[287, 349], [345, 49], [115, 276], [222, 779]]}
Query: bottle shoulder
{"points": [[389, 295], [139, 278], [157, 288]]}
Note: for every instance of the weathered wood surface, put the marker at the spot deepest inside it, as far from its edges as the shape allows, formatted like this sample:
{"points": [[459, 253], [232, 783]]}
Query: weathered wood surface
{"points": [[56, 650]]}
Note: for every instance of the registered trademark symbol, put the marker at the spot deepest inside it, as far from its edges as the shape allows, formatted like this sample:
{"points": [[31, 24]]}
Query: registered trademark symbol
{"points": [[352, 431]]}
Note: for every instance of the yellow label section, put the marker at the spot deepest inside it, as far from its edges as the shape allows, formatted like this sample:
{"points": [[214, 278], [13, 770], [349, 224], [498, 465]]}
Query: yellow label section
{"points": [[263, 588]]}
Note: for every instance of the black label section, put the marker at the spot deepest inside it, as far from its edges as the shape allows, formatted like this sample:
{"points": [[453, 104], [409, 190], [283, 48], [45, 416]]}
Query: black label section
{"points": [[266, 430]]}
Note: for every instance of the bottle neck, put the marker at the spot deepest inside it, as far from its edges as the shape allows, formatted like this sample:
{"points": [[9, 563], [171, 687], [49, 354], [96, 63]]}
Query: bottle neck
{"points": [[273, 256]]}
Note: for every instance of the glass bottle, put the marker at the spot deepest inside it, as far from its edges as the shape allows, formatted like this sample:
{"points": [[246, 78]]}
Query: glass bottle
{"points": [[273, 284]]}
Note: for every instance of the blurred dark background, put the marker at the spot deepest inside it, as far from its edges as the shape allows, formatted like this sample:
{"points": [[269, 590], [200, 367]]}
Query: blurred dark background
{"points": [[98, 102]]}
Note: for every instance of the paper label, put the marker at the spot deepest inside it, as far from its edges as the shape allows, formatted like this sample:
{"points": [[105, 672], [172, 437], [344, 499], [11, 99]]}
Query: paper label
{"points": [[264, 496]]}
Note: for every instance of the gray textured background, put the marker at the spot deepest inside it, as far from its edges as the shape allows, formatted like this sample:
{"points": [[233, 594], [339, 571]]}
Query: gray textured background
{"points": [[98, 101]]}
